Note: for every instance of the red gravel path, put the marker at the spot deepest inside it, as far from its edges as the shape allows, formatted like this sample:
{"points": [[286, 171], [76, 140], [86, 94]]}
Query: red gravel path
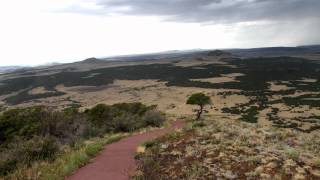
{"points": [[116, 161]]}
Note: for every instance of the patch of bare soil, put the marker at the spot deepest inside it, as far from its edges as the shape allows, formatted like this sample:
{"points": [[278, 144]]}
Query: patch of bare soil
{"points": [[274, 86], [308, 80], [223, 79], [215, 80], [38, 90]]}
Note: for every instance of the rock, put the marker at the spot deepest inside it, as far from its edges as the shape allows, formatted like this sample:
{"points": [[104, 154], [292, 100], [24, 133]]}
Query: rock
{"points": [[250, 174], [299, 177], [204, 142], [273, 158], [258, 170], [229, 175], [315, 173], [272, 165], [308, 168], [221, 155], [164, 146], [264, 161], [265, 176], [211, 153], [208, 161], [290, 163], [300, 170], [141, 149], [228, 166], [176, 153], [277, 177]]}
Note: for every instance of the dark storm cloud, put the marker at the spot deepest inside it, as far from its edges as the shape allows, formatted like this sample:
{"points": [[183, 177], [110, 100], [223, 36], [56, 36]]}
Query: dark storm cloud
{"points": [[215, 11]]}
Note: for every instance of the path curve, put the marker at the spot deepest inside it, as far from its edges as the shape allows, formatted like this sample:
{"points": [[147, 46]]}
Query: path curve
{"points": [[116, 161]]}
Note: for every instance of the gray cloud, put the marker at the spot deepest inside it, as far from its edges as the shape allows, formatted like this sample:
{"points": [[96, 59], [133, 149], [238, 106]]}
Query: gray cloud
{"points": [[276, 22], [213, 11]]}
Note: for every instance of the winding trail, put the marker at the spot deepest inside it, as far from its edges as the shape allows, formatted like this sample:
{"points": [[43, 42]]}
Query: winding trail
{"points": [[116, 161]]}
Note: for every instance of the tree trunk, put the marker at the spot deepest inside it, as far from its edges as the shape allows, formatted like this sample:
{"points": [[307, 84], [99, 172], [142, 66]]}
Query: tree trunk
{"points": [[199, 112]]}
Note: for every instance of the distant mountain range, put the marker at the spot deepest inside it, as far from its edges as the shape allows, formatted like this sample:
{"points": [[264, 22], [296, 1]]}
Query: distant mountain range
{"points": [[252, 52], [277, 51], [6, 69]]}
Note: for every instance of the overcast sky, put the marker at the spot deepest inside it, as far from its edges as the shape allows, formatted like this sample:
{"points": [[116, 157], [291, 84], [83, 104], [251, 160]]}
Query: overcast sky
{"points": [[34, 32]]}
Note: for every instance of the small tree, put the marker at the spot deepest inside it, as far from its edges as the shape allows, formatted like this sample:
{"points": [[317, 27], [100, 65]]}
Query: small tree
{"points": [[201, 100]]}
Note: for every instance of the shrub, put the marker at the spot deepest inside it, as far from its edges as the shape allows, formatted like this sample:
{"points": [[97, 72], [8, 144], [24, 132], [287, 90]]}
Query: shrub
{"points": [[149, 144], [132, 108], [65, 126], [39, 148], [292, 154], [198, 124], [99, 114], [37, 133], [20, 122], [250, 115], [124, 117], [316, 162], [22, 151], [93, 149], [38, 121], [125, 123], [154, 118]]}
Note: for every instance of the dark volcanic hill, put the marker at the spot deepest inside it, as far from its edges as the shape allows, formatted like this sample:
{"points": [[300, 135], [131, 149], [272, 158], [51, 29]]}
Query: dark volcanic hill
{"points": [[218, 53]]}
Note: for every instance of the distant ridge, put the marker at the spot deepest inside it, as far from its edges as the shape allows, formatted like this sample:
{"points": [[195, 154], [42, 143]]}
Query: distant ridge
{"points": [[7, 69], [91, 60], [218, 53], [276, 51]]}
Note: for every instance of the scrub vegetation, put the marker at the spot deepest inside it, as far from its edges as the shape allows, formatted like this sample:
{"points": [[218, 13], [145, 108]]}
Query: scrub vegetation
{"points": [[221, 148], [36, 134]]}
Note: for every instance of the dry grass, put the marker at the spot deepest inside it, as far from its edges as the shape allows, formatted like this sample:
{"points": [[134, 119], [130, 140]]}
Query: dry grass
{"points": [[70, 160], [233, 150]]}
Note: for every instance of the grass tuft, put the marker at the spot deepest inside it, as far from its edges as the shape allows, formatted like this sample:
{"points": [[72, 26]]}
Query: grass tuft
{"points": [[66, 162]]}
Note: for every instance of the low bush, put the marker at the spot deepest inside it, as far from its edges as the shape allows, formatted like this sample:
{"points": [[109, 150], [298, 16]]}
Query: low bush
{"points": [[149, 144], [292, 154], [66, 162], [22, 151], [124, 117], [93, 149], [154, 118], [66, 126], [37, 133]]}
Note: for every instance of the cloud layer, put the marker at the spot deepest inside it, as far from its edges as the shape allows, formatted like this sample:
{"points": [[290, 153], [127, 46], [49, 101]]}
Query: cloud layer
{"points": [[212, 11]]}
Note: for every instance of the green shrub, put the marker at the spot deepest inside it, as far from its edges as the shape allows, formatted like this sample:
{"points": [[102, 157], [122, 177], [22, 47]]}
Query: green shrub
{"points": [[25, 152], [198, 124], [20, 122], [37, 133], [99, 114], [93, 149], [39, 121], [125, 123], [154, 118], [132, 108], [250, 115], [292, 154], [149, 144], [124, 117], [316, 162]]}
